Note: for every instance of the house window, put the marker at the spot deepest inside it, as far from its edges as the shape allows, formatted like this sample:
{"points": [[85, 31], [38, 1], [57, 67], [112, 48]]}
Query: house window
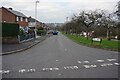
{"points": [[26, 19], [17, 18], [21, 19]]}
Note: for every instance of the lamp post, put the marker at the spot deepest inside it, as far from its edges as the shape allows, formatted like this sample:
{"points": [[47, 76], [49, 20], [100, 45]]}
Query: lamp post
{"points": [[36, 18]]}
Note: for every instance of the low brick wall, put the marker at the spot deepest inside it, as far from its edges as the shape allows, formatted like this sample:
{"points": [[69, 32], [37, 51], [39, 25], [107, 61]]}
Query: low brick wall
{"points": [[10, 40]]}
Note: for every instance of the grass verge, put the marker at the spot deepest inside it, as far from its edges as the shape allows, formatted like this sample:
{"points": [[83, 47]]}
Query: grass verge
{"points": [[109, 45]]}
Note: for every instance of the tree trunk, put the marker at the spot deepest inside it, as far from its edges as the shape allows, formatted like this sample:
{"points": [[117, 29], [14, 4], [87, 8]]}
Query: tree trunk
{"points": [[108, 34]]}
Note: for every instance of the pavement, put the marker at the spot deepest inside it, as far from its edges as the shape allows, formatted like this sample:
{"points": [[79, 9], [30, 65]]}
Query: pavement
{"points": [[14, 48], [60, 57]]}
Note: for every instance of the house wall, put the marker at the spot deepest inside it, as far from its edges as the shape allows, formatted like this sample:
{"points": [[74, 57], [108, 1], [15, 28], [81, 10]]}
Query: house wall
{"points": [[7, 16], [31, 24], [23, 23]]}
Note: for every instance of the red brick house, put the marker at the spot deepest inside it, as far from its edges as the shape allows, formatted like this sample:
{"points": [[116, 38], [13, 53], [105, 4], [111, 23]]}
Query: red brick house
{"points": [[8, 15], [11, 16]]}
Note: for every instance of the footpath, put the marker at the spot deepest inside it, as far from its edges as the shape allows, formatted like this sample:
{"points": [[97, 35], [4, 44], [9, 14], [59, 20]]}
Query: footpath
{"points": [[14, 48]]}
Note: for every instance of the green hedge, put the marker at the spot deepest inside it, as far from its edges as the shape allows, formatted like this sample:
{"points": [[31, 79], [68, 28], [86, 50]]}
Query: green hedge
{"points": [[10, 29], [41, 32]]}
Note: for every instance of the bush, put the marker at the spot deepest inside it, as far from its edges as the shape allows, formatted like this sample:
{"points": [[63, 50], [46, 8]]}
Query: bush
{"points": [[41, 32], [21, 32], [40, 28], [10, 29]]}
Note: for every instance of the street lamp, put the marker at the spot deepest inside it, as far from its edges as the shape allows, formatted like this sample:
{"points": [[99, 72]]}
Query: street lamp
{"points": [[36, 18]]}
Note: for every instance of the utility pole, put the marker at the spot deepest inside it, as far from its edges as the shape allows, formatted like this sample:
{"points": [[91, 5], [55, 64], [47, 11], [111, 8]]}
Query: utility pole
{"points": [[36, 18]]}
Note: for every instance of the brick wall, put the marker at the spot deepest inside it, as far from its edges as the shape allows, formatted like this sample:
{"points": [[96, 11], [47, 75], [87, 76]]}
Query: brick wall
{"points": [[8, 16], [23, 23]]}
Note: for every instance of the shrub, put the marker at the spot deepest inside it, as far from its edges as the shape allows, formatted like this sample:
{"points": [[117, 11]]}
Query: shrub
{"points": [[41, 32], [40, 28], [21, 32]]}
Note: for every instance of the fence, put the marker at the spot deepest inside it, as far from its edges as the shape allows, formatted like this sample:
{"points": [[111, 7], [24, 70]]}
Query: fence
{"points": [[26, 37]]}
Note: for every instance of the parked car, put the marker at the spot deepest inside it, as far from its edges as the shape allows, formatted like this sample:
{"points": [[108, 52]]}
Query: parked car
{"points": [[55, 32]]}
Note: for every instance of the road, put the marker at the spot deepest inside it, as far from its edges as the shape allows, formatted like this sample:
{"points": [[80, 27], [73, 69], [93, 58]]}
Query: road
{"points": [[60, 57]]}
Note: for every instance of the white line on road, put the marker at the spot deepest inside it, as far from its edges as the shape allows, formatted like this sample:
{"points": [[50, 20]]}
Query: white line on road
{"points": [[112, 59], [79, 62], [50, 69], [106, 64], [71, 67], [4, 71], [99, 60], [86, 62], [117, 64], [90, 66], [57, 60]]}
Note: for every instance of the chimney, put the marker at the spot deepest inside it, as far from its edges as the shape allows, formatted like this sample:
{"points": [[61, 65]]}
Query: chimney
{"points": [[10, 8]]}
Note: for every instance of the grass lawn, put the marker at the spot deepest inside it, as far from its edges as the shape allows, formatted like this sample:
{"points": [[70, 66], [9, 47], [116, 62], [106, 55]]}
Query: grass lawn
{"points": [[109, 45]]}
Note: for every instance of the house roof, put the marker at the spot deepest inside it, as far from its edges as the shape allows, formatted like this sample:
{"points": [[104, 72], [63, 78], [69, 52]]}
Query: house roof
{"points": [[33, 20], [16, 12]]}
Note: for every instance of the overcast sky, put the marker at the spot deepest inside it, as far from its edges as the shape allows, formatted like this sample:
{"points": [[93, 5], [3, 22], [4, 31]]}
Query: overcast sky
{"points": [[57, 10]]}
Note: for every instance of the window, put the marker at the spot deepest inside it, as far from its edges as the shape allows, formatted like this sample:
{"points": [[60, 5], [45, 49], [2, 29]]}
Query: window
{"points": [[21, 19], [26, 19], [17, 18]]}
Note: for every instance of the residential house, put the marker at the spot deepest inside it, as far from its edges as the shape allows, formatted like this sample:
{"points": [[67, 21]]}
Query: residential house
{"points": [[9, 15], [33, 23]]}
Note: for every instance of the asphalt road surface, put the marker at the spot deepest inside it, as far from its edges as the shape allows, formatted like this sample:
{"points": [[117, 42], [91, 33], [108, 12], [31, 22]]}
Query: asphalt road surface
{"points": [[59, 57]]}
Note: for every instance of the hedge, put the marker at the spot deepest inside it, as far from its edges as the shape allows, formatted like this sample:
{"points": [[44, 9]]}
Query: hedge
{"points": [[41, 32], [10, 29]]}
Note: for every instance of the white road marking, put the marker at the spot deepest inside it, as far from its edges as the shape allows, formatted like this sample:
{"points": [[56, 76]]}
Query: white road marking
{"points": [[106, 64], [75, 67], [56, 69], [94, 66], [31, 70], [86, 66], [117, 64], [71, 67], [50, 69], [79, 61], [57, 60], [46, 69], [100, 60], [112, 59], [90, 66], [22, 70], [86, 62], [4, 71]]}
